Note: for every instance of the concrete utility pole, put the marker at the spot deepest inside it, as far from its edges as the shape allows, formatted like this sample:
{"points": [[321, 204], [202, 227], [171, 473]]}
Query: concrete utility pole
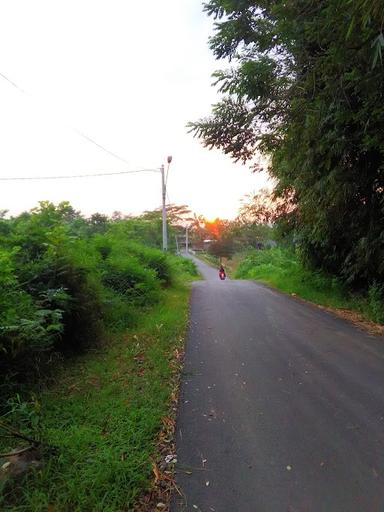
{"points": [[164, 194], [186, 240]]}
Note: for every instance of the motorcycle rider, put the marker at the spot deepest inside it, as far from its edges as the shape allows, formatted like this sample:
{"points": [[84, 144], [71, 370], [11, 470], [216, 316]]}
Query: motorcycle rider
{"points": [[222, 271]]}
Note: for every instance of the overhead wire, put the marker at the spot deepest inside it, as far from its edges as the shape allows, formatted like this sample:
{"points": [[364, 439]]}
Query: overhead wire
{"points": [[13, 83], [99, 145], [64, 177], [76, 130], [77, 176]]}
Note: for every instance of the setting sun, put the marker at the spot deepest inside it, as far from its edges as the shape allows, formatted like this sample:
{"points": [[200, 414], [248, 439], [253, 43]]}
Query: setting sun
{"points": [[211, 220]]}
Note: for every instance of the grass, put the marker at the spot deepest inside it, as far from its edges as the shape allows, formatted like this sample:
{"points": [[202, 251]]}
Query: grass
{"points": [[281, 268], [208, 258], [103, 415]]}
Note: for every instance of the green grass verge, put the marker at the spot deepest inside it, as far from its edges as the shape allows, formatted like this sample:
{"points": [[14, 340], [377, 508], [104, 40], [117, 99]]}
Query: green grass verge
{"points": [[103, 415], [208, 258], [282, 269]]}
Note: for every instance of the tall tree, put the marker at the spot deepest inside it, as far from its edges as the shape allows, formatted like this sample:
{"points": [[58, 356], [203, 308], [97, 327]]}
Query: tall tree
{"points": [[306, 88]]}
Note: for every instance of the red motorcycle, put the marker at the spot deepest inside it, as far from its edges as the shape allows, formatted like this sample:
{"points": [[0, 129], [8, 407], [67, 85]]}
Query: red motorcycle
{"points": [[222, 275]]}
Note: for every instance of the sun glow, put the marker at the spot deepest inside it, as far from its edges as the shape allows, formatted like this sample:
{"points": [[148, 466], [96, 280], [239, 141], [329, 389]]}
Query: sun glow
{"points": [[211, 220]]}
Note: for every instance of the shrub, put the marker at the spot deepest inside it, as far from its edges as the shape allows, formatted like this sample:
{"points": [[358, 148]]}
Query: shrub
{"points": [[120, 239], [83, 311], [125, 275], [25, 324], [184, 265]]}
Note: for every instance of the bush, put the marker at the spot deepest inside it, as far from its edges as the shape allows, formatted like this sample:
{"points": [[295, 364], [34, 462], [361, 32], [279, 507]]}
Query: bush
{"points": [[184, 266], [83, 312], [26, 324], [119, 239], [155, 260], [126, 276]]}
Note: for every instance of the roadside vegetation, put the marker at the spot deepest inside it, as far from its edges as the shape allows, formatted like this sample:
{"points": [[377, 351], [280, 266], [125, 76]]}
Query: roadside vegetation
{"points": [[92, 318], [281, 268], [255, 246], [300, 99]]}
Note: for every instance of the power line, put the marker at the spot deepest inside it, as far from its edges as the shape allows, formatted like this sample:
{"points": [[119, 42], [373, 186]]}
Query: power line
{"points": [[13, 83], [94, 175], [99, 145], [80, 133]]}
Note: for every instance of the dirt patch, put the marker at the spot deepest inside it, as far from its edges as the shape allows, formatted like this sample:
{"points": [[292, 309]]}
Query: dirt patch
{"points": [[354, 317], [358, 320]]}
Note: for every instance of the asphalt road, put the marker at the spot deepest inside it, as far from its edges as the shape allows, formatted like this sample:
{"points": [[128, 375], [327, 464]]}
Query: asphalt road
{"points": [[281, 408]]}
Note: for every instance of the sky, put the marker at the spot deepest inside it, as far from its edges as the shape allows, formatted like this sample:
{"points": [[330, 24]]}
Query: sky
{"points": [[129, 75]]}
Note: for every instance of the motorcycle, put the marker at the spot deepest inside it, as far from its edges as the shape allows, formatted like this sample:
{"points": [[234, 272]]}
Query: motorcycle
{"points": [[222, 275]]}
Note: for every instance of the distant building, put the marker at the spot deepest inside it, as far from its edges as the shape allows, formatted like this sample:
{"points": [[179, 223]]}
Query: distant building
{"points": [[207, 243]]}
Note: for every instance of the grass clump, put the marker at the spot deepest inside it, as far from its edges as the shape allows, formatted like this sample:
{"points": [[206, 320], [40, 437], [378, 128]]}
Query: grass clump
{"points": [[281, 268], [185, 266]]}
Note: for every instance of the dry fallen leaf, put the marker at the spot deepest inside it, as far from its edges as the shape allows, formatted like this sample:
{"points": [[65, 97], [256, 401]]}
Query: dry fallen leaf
{"points": [[156, 473]]}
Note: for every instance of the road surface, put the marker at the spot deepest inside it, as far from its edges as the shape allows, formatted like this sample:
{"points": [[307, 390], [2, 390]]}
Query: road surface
{"points": [[281, 407]]}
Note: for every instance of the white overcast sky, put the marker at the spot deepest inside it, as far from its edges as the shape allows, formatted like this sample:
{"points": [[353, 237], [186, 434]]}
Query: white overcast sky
{"points": [[130, 75]]}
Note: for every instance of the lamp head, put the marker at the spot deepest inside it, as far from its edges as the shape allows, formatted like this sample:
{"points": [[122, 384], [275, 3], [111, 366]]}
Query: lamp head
{"points": [[169, 159]]}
